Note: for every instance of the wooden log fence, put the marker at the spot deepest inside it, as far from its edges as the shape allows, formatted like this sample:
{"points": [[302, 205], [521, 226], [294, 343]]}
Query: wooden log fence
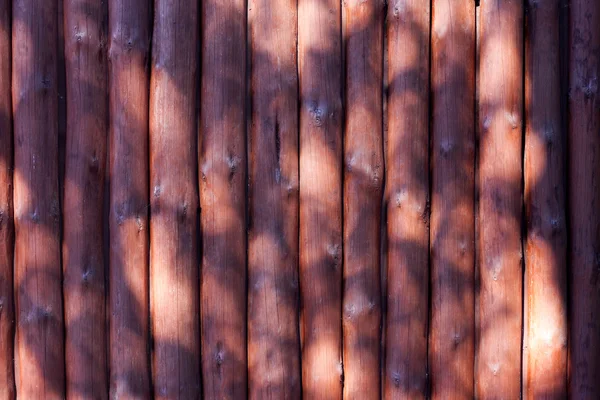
{"points": [[291, 199]]}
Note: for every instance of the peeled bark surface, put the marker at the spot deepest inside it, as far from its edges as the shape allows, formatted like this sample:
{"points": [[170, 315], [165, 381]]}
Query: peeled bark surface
{"points": [[174, 202], [407, 200], [129, 35], [499, 175], [320, 63], [584, 190], [452, 330], [83, 257], [7, 317], [545, 305], [273, 334], [222, 177], [39, 345], [363, 186]]}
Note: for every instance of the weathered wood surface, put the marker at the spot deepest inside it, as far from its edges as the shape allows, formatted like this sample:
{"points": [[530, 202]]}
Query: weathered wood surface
{"points": [[174, 296], [452, 330], [499, 207], [407, 200], [85, 160], [7, 316], [363, 186], [39, 343], [584, 195], [545, 312], [222, 177], [129, 49], [273, 331], [320, 65]]}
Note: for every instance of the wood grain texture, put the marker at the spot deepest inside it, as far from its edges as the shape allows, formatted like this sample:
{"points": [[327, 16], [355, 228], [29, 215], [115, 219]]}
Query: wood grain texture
{"points": [[222, 180], [545, 305], [39, 348], [85, 163], [407, 199], [499, 188], [452, 330], [584, 191], [320, 63], [7, 316], [273, 332], [129, 35], [363, 187], [175, 320]]}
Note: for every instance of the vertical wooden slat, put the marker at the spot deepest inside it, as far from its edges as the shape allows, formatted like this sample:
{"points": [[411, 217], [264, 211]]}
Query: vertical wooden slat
{"points": [[499, 176], [174, 202], [320, 62], [273, 334], [545, 312], [7, 378], [83, 257], [222, 179], [129, 35], [451, 341], [584, 190], [363, 186], [39, 348], [407, 199]]}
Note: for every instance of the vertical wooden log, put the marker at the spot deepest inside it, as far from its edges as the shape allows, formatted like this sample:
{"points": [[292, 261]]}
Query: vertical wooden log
{"points": [[363, 187], [407, 199], [39, 312], [129, 35], [545, 311], [500, 105], [83, 257], [584, 190], [222, 180], [174, 202], [273, 334], [320, 63], [7, 377], [451, 341]]}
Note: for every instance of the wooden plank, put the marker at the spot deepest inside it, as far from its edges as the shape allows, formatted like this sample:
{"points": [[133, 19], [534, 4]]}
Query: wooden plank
{"points": [[273, 332], [545, 307], [129, 36], [83, 256], [407, 200], [222, 179], [7, 377], [499, 175], [175, 322], [363, 187], [584, 190], [320, 63], [39, 348], [451, 340]]}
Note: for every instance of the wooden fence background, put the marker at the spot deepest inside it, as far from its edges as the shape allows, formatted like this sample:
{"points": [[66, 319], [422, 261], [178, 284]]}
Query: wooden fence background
{"points": [[299, 198]]}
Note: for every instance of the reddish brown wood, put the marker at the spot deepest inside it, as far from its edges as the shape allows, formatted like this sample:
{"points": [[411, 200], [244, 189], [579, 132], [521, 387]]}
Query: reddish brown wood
{"points": [[7, 377], [584, 190], [451, 341], [273, 334], [129, 40], [499, 164], [85, 161], [320, 63], [363, 187], [545, 311], [174, 202], [39, 349], [407, 200], [222, 177]]}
